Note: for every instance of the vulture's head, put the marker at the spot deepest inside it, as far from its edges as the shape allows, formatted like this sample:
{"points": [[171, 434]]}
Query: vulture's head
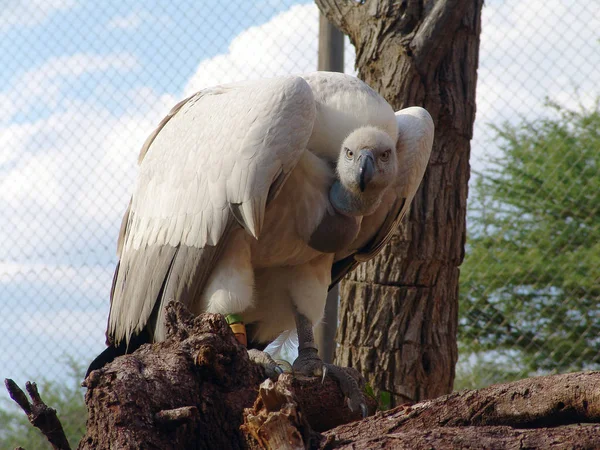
{"points": [[368, 161], [366, 167]]}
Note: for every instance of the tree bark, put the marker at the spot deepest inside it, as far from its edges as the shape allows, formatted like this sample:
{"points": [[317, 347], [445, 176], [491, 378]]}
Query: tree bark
{"points": [[537, 413], [187, 392], [199, 390], [39, 414], [399, 311], [472, 438], [191, 392]]}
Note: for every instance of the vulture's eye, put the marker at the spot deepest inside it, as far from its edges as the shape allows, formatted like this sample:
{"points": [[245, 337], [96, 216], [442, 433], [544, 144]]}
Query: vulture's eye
{"points": [[385, 155], [349, 153]]}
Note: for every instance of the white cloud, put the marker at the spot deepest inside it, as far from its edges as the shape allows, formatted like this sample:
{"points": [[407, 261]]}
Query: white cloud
{"points": [[91, 281], [51, 311], [131, 21], [66, 324], [81, 63], [38, 344], [17, 13], [65, 177], [72, 175], [286, 44], [531, 51]]}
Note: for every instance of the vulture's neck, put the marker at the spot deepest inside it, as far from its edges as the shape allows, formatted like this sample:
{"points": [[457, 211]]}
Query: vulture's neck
{"points": [[352, 203]]}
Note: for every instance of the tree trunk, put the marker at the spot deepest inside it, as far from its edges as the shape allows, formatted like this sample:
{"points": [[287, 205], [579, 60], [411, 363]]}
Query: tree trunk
{"points": [[399, 311]]}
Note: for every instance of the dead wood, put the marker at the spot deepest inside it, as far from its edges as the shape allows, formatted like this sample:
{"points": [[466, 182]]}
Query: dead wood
{"points": [[289, 413], [191, 392], [199, 390], [187, 392], [511, 415], [481, 438], [39, 414]]}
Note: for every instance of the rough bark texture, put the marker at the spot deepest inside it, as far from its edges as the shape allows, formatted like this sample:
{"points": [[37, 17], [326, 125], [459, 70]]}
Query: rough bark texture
{"points": [[187, 392], [514, 415], [398, 313], [198, 390], [481, 438], [191, 391], [39, 414]]}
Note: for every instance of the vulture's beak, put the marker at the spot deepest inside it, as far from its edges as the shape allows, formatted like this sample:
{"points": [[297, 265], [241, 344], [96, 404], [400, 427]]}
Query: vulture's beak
{"points": [[366, 168]]}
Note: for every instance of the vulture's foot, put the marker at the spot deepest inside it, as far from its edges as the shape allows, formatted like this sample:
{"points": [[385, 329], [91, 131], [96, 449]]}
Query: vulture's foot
{"points": [[272, 369], [310, 363], [349, 387]]}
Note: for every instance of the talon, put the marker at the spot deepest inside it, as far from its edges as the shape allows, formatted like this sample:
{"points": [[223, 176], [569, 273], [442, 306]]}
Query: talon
{"points": [[364, 410], [272, 369], [349, 403], [324, 374], [284, 365]]}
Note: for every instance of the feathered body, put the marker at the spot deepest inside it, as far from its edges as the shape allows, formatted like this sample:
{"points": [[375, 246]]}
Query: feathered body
{"points": [[233, 184]]}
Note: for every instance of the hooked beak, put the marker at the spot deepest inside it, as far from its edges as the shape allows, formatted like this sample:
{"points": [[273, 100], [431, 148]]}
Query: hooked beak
{"points": [[366, 168]]}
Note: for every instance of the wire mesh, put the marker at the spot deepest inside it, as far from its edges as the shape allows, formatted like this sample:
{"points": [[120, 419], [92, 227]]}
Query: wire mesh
{"points": [[84, 83], [530, 283]]}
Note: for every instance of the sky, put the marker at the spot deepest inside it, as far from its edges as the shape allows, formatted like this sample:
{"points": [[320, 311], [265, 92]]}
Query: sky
{"points": [[83, 83]]}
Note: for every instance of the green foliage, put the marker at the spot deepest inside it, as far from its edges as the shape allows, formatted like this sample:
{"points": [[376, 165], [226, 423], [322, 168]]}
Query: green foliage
{"points": [[385, 401], [369, 392], [530, 284], [66, 398]]}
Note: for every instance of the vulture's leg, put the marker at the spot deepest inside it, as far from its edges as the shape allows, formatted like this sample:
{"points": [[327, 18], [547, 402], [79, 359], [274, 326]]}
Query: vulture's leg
{"points": [[309, 363], [230, 291]]}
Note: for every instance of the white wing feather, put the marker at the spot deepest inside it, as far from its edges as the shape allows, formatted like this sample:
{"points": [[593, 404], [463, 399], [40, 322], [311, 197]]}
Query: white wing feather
{"points": [[285, 346], [218, 155], [225, 146]]}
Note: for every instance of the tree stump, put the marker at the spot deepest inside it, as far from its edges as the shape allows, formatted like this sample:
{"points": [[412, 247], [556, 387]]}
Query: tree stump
{"points": [[191, 392]]}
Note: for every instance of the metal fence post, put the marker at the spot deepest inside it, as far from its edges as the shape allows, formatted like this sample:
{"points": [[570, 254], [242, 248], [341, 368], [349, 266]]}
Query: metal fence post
{"points": [[331, 58]]}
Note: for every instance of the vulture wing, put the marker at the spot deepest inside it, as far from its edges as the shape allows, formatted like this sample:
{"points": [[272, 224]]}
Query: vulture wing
{"points": [[213, 164]]}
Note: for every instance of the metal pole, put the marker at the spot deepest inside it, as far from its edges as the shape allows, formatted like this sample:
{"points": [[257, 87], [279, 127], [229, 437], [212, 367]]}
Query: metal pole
{"points": [[331, 58], [331, 47]]}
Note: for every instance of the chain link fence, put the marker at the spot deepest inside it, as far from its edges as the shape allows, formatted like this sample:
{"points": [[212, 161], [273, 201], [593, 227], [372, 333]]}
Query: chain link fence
{"points": [[530, 283], [84, 83]]}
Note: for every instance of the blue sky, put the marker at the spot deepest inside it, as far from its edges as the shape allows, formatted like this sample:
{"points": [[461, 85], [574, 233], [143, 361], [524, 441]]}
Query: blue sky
{"points": [[82, 83], [172, 37]]}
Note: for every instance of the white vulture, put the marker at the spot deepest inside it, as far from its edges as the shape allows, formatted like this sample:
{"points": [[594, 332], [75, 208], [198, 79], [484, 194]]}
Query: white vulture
{"points": [[254, 198]]}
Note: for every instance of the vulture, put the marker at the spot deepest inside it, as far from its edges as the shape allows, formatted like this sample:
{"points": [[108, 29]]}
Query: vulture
{"points": [[253, 199]]}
